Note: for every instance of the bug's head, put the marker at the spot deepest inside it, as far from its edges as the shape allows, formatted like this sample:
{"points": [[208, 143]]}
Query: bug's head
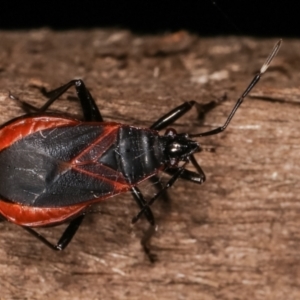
{"points": [[179, 147]]}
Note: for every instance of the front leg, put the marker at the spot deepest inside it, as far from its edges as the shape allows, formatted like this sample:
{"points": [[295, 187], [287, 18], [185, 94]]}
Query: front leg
{"points": [[176, 113], [172, 180]]}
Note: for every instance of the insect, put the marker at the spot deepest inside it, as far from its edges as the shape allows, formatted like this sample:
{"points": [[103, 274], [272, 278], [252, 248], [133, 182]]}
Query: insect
{"points": [[54, 168]]}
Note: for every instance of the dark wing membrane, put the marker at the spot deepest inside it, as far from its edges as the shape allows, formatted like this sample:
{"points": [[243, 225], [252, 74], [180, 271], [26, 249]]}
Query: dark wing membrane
{"points": [[74, 187], [46, 169], [61, 143]]}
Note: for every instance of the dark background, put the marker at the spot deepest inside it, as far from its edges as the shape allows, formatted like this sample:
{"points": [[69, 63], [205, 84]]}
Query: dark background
{"points": [[258, 18]]}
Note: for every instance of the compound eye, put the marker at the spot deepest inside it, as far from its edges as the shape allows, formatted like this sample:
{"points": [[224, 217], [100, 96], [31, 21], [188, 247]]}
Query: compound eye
{"points": [[175, 148]]}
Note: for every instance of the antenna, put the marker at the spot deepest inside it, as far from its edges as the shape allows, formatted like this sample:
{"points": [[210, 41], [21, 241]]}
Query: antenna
{"points": [[254, 81]]}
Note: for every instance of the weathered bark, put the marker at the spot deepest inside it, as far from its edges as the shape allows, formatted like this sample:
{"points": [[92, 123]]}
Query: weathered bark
{"points": [[235, 237]]}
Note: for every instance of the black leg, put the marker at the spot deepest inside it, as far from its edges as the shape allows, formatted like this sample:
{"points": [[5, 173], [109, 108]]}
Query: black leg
{"points": [[89, 107], [142, 203], [66, 237], [201, 176], [178, 173], [147, 236], [28, 108], [176, 113], [188, 175], [145, 242], [172, 116], [159, 186]]}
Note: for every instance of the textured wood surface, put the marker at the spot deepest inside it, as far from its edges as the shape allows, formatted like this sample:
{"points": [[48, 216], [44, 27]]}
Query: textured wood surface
{"points": [[235, 237]]}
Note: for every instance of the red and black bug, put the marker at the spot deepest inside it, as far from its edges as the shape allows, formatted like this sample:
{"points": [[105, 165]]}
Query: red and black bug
{"points": [[54, 168]]}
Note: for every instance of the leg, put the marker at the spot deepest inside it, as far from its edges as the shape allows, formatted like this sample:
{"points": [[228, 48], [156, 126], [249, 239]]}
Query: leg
{"points": [[146, 239], [142, 203], [158, 186], [66, 237], [179, 172], [89, 107], [145, 207], [28, 108], [176, 113], [145, 242], [195, 177], [172, 116], [175, 173]]}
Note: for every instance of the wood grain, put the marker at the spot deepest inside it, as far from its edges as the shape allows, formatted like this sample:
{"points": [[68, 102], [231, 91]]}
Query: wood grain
{"points": [[235, 237]]}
